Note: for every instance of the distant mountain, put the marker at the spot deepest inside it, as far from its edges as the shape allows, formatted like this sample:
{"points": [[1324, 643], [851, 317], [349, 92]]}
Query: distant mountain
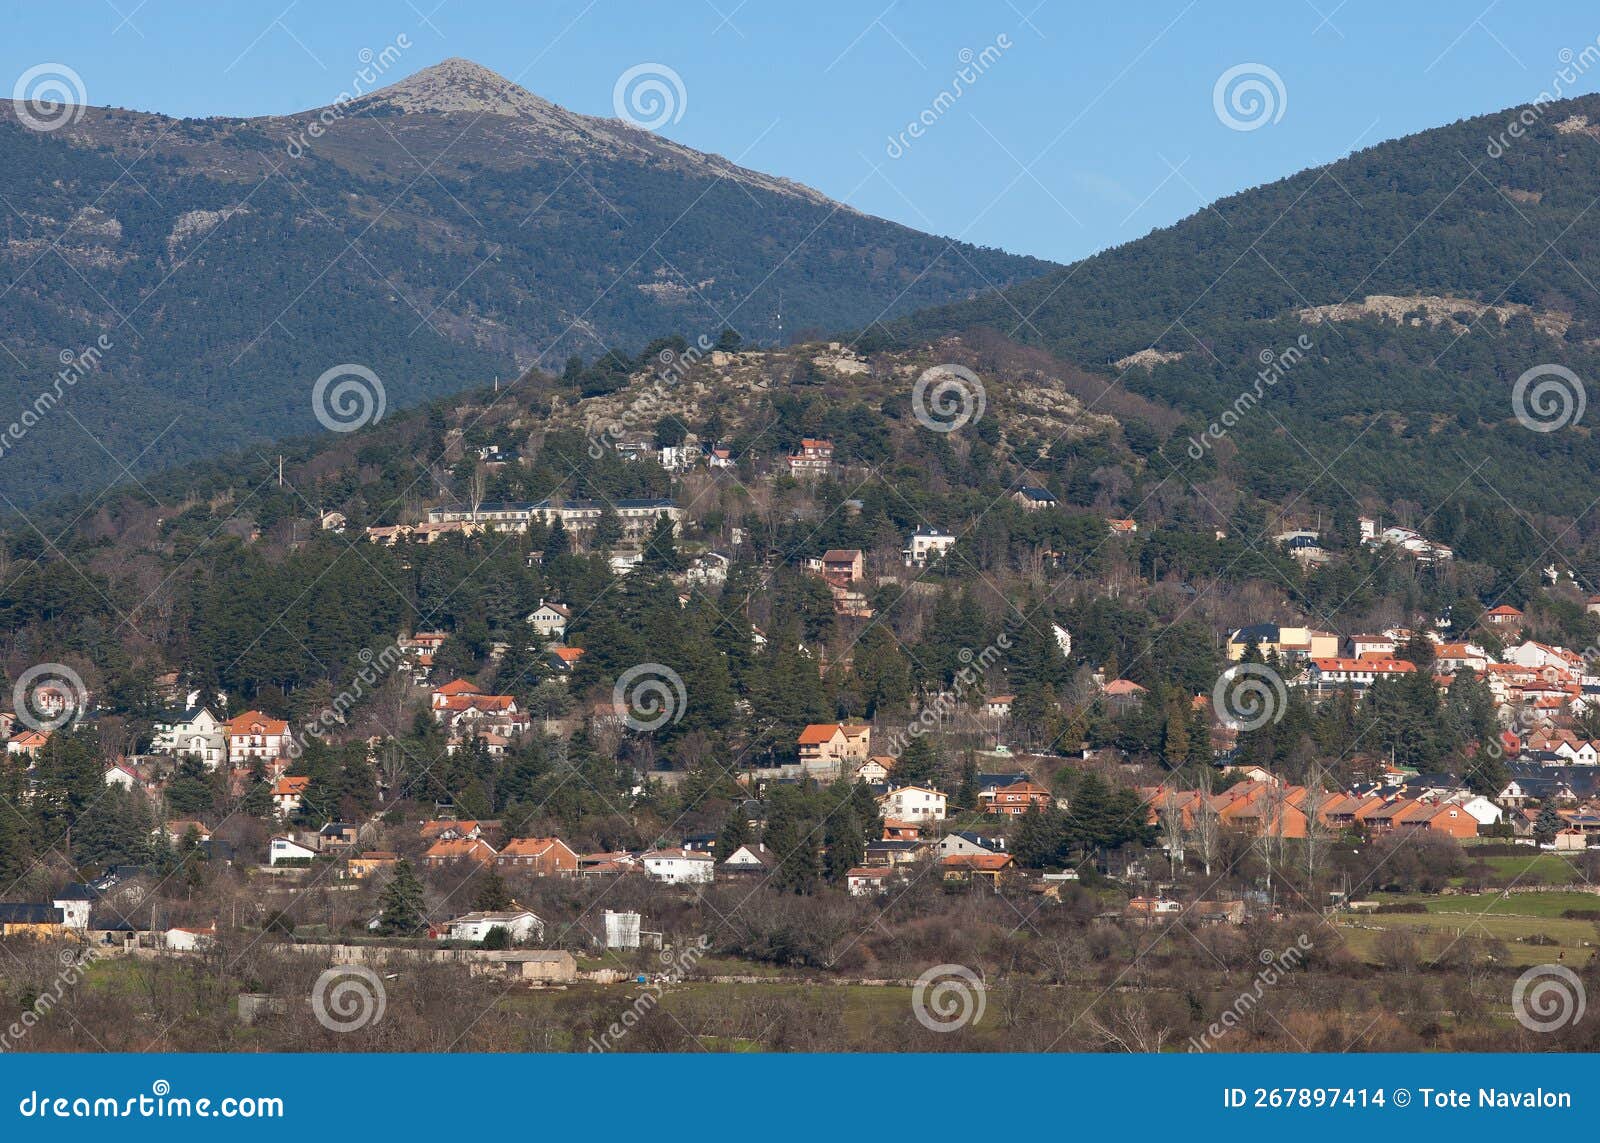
{"points": [[440, 232], [1428, 274]]}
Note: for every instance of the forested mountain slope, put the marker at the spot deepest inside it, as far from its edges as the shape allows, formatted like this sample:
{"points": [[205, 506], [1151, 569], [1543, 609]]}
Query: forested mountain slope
{"points": [[439, 232], [1427, 274]]}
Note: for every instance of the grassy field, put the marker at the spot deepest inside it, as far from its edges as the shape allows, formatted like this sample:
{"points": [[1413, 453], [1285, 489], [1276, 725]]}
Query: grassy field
{"points": [[1534, 869], [1510, 918]]}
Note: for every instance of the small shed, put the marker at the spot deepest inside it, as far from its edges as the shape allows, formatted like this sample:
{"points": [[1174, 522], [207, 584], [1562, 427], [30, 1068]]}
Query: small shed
{"points": [[540, 966]]}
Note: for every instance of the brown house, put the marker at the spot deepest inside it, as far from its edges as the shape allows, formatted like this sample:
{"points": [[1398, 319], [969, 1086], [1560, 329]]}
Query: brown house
{"points": [[542, 856]]}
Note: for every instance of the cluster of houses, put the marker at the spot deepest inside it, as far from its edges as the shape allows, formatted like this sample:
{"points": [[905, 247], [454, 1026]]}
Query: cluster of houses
{"points": [[1263, 806], [1536, 687]]}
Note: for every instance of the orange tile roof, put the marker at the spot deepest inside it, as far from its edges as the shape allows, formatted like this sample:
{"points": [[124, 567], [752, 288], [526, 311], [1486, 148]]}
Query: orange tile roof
{"points": [[1380, 665], [818, 733], [287, 786], [986, 862], [459, 847], [458, 687], [245, 724], [531, 846]]}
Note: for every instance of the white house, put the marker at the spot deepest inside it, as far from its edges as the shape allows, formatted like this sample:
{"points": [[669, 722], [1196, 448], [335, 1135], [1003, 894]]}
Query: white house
{"points": [[913, 804], [867, 880], [679, 866], [189, 940], [194, 730], [927, 543], [1536, 655], [710, 569], [1482, 810], [969, 845], [253, 736], [519, 923], [1581, 754], [1364, 645], [74, 902], [549, 620], [753, 857], [120, 775], [284, 849]]}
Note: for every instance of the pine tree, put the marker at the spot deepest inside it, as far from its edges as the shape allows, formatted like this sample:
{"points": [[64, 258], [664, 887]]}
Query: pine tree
{"points": [[608, 529], [401, 903], [1547, 825], [793, 842], [735, 833], [492, 895], [846, 846], [557, 543], [918, 764], [661, 549], [967, 795]]}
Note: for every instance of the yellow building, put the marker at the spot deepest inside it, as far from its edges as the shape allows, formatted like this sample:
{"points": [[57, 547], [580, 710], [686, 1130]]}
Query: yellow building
{"points": [[1293, 643]]}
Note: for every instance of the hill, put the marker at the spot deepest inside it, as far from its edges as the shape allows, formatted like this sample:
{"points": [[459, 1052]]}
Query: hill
{"points": [[442, 231], [1427, 274]]}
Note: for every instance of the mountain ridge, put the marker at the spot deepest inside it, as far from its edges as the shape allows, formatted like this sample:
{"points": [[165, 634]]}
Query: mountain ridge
{"points": [[442, 231]]}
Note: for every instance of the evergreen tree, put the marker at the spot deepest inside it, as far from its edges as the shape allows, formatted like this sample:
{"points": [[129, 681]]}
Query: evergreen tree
{"points": [[790, 837], [735, 833], [557, 543], [846, 846], [492, 895], [661, 549], [967, 793], [1547, 825], [608, 529], [401, 903], [918, 764]]}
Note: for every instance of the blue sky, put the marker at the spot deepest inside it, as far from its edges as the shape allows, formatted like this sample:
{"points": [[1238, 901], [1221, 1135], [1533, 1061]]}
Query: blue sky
{"points": [[1095, 125]]}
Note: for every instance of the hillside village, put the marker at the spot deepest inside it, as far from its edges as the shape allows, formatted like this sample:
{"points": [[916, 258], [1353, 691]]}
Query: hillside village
{"points": [[484, 790]]}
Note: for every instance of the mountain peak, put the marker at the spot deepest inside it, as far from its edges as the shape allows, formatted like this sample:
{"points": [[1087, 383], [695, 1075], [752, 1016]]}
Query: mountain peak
{"points": [[458, 84]]}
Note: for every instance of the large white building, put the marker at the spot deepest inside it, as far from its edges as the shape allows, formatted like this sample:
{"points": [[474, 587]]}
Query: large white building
{"points": [[520, 925], [913, 804], [927, 543], [193, 730], [638, 516], [679, 866]]}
